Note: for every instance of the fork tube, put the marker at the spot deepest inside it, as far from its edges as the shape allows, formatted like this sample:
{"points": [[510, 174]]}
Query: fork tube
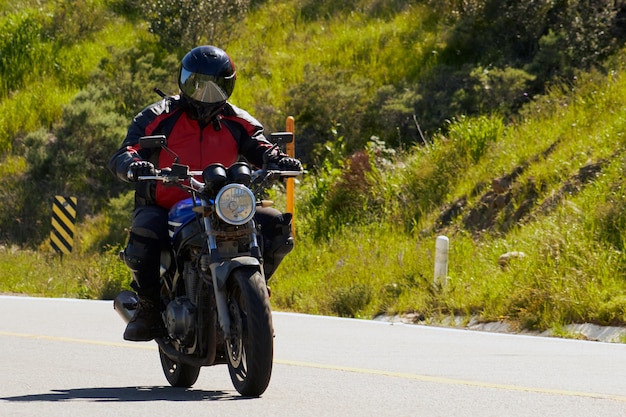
{"points": [[221, 298], [254, 243]]}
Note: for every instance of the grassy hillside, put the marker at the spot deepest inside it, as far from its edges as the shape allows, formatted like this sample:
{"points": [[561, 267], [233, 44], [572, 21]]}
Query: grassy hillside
{"points": [[415, 119], [549, 186]]}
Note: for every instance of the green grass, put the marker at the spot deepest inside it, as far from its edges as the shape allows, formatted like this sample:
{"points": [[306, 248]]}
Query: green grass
{"points": [[357, 46], [47, 274], [366, 237], [40, 77], [572, 235]]}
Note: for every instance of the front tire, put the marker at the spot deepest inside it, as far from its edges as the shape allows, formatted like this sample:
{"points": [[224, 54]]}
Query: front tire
{"points": [[250, 351]]}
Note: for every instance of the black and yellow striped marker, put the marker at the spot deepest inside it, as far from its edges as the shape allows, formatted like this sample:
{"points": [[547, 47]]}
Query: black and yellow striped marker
{"points": [[63, 219]]}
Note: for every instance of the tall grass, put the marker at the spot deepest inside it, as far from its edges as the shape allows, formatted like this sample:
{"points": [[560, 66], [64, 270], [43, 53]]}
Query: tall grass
{"points": [[44, 273], [367, 222], [39, 75], [567, 157], [358, 44], [40, 105]]}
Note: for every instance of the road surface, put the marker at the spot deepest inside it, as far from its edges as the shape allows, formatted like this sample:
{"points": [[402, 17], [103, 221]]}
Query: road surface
{"points": [[67, 358]]}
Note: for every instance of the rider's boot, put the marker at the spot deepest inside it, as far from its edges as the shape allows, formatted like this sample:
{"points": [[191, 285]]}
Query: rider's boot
{"points": [[146, 324], [142, 257]]}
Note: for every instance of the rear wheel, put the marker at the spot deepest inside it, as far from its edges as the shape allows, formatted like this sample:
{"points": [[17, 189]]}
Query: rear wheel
{"points": [[178, 374], [250, 350]]}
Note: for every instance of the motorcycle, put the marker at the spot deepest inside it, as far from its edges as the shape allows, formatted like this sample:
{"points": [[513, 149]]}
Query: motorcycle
{"points": [[216, 301]]}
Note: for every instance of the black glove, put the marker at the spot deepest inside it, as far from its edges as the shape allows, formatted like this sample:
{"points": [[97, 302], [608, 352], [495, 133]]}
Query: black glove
{"points": [[289, 164], [139, 169]]}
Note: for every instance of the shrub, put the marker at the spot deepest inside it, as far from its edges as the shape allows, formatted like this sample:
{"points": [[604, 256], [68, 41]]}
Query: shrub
{"points": [[74, 20], [76, 160], [184, 24], [391, 116], [127, 78], [351, 300], [325, 107]]}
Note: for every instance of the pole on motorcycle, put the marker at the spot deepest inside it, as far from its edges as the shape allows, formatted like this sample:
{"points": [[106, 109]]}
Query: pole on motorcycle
{"points": [[291, 151]]}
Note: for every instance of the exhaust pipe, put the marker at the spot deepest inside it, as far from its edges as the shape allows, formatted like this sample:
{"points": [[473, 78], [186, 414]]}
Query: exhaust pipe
{"points": [[125, 303]]}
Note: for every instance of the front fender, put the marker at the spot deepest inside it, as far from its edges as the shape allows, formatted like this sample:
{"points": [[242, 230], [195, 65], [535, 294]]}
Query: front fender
{"points": [[222, 270]]}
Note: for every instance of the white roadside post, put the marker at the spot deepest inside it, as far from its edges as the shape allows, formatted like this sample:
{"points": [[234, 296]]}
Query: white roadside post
{"points": [[441, 260]]}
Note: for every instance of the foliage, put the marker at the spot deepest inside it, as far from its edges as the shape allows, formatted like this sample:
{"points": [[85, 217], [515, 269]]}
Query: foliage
{"points": [[21, 50], [530, 43], [97, 276], [312, 10], [497, 123], [183, 24], [128, 77], [14, 195], [72, 157], [30, 109], [310, 102], [562, 182], [72, 161], [40, 69], [472, 137], [74, 21], [108, 229]]}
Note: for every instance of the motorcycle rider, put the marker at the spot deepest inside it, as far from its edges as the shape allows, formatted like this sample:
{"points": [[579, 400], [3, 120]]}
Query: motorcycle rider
{"points": [[201, 127]]}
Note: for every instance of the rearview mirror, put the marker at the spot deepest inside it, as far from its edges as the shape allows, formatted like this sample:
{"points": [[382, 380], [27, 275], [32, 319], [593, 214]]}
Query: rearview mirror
{"points": [[281, 137], [151, 142]]}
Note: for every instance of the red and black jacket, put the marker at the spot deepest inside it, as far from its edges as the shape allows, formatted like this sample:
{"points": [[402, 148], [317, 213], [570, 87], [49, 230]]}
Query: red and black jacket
{"points": [[235, 133]]}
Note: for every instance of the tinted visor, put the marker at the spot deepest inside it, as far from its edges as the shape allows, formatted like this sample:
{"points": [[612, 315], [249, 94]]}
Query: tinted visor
{"points": [[204, 88]]}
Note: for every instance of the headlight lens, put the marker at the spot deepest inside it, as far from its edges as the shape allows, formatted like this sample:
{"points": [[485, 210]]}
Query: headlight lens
{"points": [[235, 204]]}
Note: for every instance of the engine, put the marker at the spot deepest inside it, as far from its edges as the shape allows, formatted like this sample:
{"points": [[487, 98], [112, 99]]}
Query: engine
{"points": [[180, 320]]}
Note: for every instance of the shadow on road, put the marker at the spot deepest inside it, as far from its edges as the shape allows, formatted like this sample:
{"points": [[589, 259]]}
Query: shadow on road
{"points": [[128, 394]]}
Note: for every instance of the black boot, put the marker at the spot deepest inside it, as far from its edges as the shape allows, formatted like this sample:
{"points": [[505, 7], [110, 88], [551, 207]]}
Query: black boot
{"points": [[146, 324]]}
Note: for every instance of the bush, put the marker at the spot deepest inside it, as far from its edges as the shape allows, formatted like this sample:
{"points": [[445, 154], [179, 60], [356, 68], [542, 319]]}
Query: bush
{"points": [[71, 160], [392, 117], [326, 107], [349, 301], [76, 160], [74, 20], [128, 77], [184, 24]]}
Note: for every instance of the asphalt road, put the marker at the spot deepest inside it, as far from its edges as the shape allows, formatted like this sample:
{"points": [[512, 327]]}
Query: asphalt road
{"points": [[67, 358]]}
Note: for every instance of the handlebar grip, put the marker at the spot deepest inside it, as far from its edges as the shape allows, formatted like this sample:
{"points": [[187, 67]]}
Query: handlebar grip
{"points": [[149, 177], [291, 173]]}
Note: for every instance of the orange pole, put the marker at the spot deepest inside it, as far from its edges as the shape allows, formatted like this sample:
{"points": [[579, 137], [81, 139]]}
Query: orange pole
{"points": [[291, 182]]}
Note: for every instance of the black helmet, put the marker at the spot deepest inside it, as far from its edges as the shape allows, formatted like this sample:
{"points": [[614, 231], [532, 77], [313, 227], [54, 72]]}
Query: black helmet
{"points": [[206, 79]]}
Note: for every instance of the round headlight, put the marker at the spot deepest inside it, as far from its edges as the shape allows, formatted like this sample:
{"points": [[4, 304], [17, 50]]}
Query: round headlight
{"points": [[235, 204]]}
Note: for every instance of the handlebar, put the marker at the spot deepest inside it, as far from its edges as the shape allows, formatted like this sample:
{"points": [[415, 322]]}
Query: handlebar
{"points": [[166, 176]]}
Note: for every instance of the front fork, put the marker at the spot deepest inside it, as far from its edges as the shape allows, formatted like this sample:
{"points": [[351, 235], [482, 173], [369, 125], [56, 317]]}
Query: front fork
{"points": [[220, 272]]}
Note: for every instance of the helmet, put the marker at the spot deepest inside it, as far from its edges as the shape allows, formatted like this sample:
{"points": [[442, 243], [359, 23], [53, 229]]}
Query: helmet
{"points": [[206, 79]]}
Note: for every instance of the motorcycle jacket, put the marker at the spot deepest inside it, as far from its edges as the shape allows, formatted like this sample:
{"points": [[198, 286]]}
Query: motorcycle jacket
{"points": [[232, 134]]}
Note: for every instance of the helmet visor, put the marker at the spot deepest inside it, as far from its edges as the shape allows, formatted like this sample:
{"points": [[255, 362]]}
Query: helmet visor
{"points": [[204, 88]]}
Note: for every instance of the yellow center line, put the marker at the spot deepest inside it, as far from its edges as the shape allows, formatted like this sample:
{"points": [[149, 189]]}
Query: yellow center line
{"points": [[132, 345], [367, 371], [453, 381]]}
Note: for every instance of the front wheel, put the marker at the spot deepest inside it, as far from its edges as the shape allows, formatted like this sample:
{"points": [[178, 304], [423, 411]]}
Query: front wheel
{"points": [[250, 350]]}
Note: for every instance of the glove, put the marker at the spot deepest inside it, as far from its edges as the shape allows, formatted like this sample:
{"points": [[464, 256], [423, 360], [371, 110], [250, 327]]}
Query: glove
{"points": [[289, 164], [138, 169]]}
